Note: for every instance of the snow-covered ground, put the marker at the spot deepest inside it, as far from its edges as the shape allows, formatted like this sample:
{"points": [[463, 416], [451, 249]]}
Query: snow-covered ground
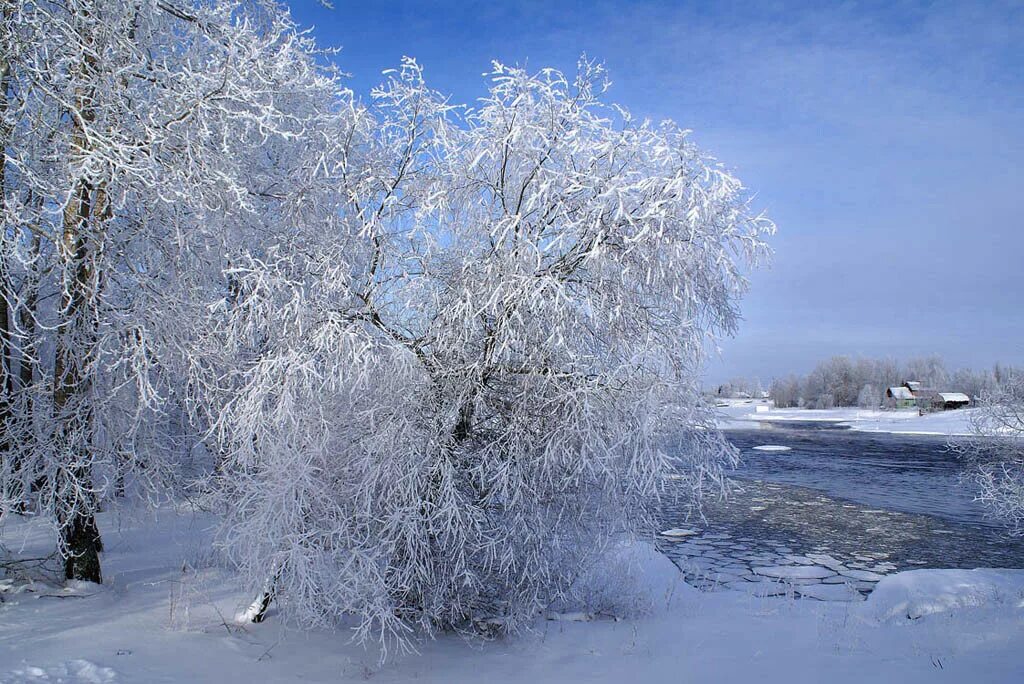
{"points": [[739, 414], [159, 619]]}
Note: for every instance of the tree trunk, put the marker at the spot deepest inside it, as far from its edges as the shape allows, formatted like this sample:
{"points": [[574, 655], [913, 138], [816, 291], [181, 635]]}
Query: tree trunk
{"points": [[257, 610], [9, 451], [81, 540], [6, 298], [26, 373], [75, 351]]}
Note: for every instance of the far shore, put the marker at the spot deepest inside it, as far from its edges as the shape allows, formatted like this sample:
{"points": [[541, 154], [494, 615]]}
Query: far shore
{"points": [[744, 414]]}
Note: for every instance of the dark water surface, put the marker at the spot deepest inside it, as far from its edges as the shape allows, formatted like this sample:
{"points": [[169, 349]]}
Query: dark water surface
{"points": [[906, 473], [860, 505]]}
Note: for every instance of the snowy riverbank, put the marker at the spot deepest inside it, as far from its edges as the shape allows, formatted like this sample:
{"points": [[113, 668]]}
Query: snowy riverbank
{"points": [[747, 414], [160, 619]]}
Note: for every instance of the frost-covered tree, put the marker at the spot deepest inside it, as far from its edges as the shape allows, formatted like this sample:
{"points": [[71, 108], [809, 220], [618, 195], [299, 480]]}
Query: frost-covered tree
{"points": [[482, 366], [786, 392], [145, 142], [438, 357], [995, 452], [869, 397], [832, 383], [929, 370], [974, 384]]}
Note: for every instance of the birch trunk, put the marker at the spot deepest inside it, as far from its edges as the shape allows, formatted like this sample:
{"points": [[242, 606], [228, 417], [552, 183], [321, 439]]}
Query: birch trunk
{"points": [[6, 298], [74, 352], [71, 384]]}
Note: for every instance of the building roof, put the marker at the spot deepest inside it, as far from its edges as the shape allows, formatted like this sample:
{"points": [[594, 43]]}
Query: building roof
{"points": [[953, 396], [900, 393], [912, 385]]}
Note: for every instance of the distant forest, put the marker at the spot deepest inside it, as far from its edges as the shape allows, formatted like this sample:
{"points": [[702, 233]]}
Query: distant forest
{"points": [[845, 381]]}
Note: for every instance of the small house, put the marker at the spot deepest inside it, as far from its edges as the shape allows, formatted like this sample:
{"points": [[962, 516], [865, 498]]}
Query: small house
{"points": [[900, 397], [947, 401]]}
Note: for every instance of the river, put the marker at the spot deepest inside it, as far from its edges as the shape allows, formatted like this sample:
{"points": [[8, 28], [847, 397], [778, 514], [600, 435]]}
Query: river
{"points": [[855, 504]]}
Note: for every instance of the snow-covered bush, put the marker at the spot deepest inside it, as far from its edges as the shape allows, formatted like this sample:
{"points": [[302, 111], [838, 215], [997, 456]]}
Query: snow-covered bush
{"points": [[995, 452], [461, 385]]}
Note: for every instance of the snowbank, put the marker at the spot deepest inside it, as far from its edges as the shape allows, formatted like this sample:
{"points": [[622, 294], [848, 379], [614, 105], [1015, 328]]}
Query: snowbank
{"points": [[915, 593]]}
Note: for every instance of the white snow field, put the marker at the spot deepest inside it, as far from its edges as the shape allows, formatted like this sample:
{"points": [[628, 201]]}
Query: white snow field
{"points": [[743, 414], [159, 619]]}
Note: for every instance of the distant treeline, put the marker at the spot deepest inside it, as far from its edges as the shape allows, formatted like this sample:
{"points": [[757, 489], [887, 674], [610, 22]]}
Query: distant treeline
{"points": [[844, 381]]}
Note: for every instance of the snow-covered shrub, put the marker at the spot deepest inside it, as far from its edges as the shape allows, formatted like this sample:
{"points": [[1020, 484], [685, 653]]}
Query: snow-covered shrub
{"points": [[442, 400], [995, 452]]}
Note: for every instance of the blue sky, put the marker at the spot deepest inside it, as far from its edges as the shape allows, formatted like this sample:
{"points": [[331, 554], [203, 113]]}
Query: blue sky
{"points": [[886, 140]]}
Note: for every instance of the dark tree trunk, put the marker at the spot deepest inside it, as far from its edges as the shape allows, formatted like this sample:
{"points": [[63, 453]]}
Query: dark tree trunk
{"points": [[81, 540], [26, 374], [263, 604], [7, 453], [74, 356], [257, 611], [82, 544]]}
